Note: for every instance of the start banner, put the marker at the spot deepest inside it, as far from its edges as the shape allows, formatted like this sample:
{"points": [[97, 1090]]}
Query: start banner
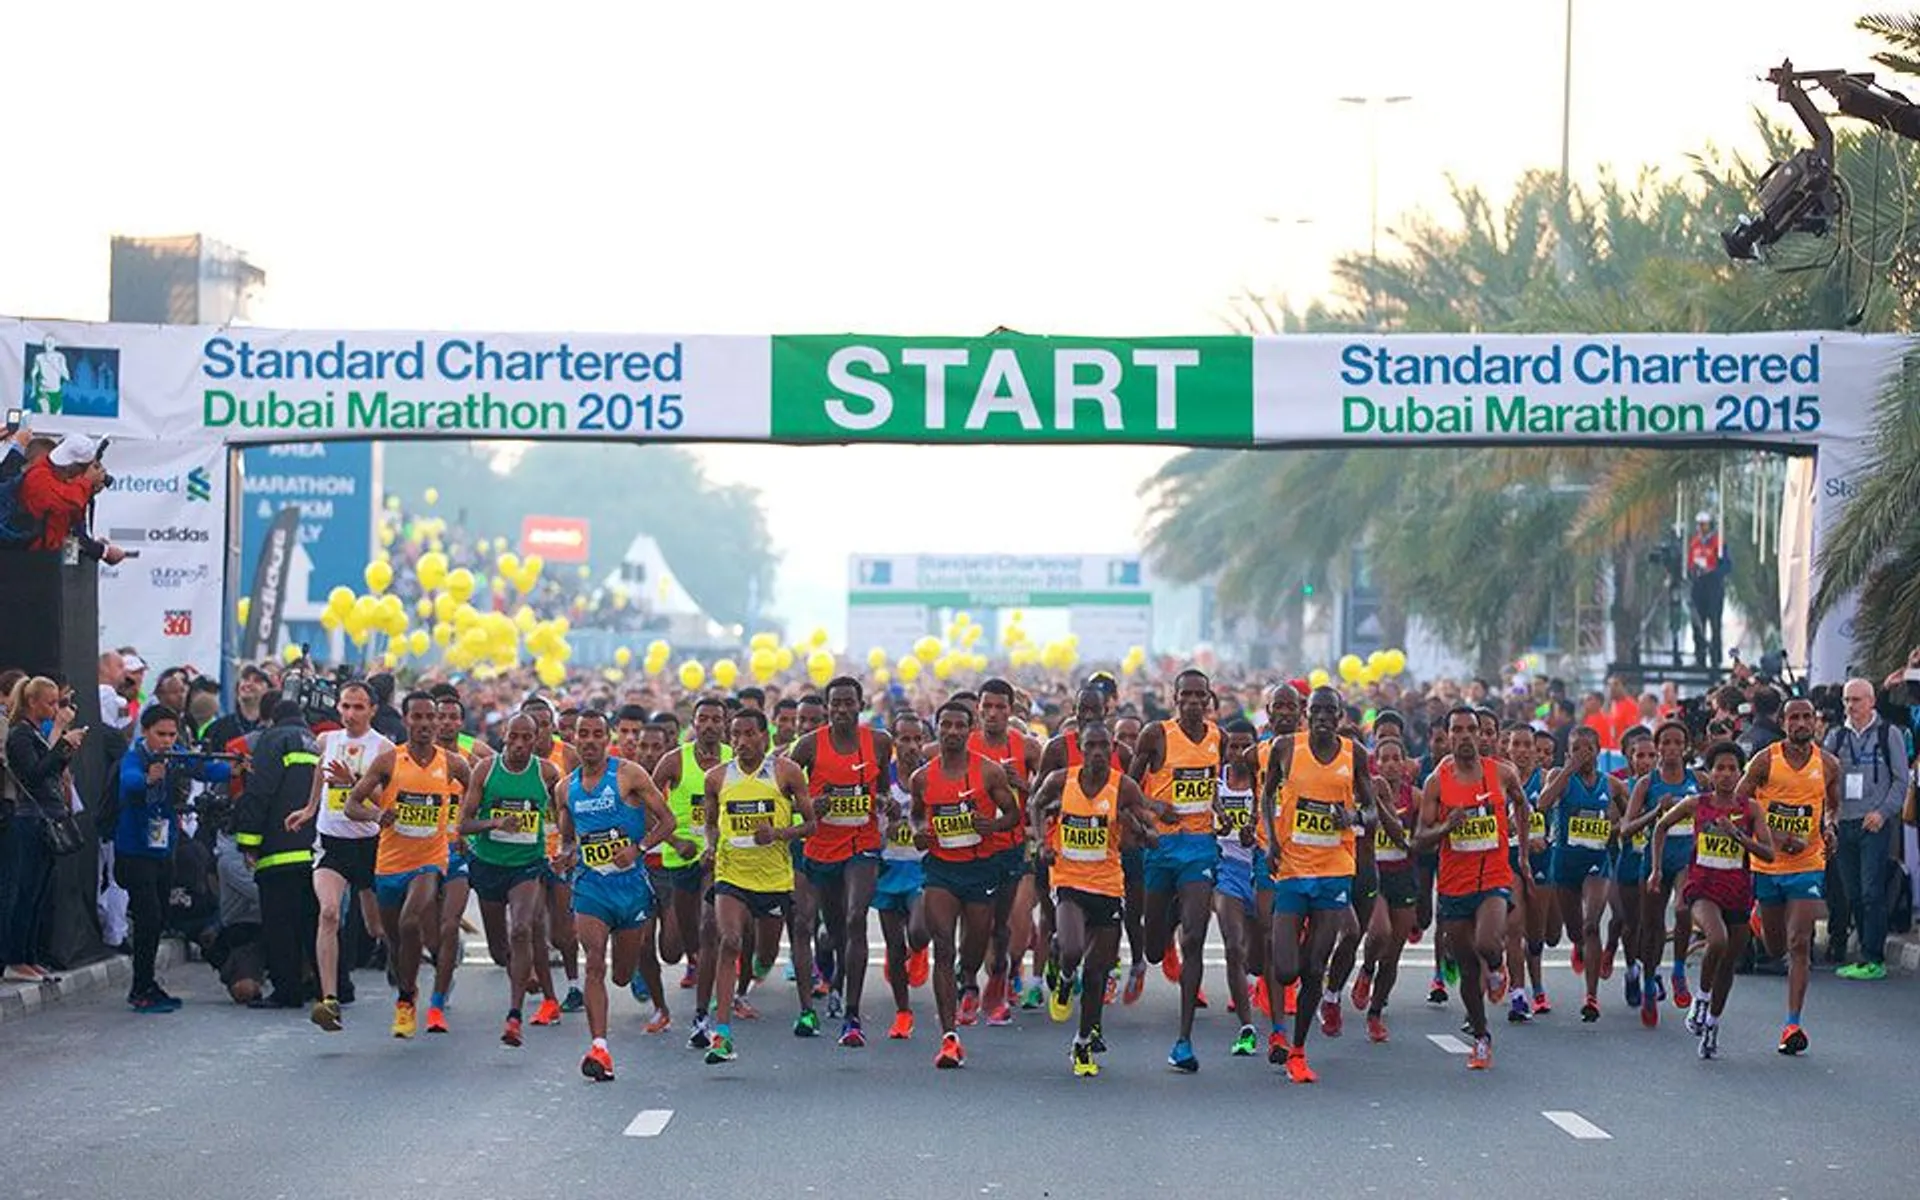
{"points": [[237, 385]]}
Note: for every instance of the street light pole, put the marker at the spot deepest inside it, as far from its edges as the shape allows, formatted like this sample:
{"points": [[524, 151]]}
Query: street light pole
{"points": [[1372, 105], [1566, 107]]}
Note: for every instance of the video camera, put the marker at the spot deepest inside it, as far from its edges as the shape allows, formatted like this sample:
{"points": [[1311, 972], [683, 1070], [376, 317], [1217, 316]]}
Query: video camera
{"points": [[317, 694]]}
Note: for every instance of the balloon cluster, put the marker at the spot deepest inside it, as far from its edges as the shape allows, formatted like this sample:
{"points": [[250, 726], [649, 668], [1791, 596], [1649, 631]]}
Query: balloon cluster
{"points": [[1381, 664]]}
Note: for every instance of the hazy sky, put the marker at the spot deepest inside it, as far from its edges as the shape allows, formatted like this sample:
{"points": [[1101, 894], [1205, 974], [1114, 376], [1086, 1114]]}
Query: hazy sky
{"points": [[1052, 167]]}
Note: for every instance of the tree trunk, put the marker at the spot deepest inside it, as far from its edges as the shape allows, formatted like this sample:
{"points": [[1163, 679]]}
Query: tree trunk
{"points": [[1627, 611]]}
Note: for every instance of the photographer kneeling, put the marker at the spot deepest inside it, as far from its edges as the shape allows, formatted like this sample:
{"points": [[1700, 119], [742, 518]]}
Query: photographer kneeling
{"points": [[143, 836]]}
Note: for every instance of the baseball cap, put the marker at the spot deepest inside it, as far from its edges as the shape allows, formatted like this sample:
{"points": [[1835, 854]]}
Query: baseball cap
{"points": [[1703, 518], [133, 663], [74, 450]]}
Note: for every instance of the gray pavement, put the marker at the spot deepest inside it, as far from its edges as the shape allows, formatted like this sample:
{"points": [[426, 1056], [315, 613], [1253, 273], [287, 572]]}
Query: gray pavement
{"points": [[221, 1101]]}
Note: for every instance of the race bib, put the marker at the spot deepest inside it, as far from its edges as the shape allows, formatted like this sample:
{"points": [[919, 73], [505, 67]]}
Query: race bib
{"points": [[1083, 837], [1236, 813], [1794, 820], [900, 835], [1193, 790], [524, 818], [739, 818], [417, 816], [337, 799], [1588, 831], [1314, 823], [1720, 852], [599, 849], [1681, 829], [846, 806], [1537, 825], [953, 826], [1385, 849], [1477, 833]]}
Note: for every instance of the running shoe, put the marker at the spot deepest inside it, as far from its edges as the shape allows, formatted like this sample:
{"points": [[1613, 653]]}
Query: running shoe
{"points": [[597, 1065], [1590, 1010], [403, 1019], [1519, 1010], [1181, 1057], [1170, 962], [1112, 993], [1710, 1042], [510, 1032], [1793, 1040], [1136, 983], [1633, 989], [1697, 1017], [575, 1001], [952, 1054], [1450, 971], [807, 1024], [1659, 988], [548, 1013], [1200, 998], [1050, 973], [1481, 1056], [1084, 1064], [1097, 1041], [1579, 963], [1376, 1028], [1330, 1018], [326, 1014], [1059, 1003], [436, 1019], [1297, 1068], [149, 1004], [1257, 996], [850, 1035], [1870, 972], [1606, 963], [836, 1007], [1541, 1005], [720, 1050], [969, 1006], [639, 989], [902, 1027], [1682, 994], [1496, 985], [1277, 1048], [1247, 1044], [690, 977], [1362, 989], [1414, 935], [820, 985], [1649, 1009], [661, 1022], [702, 1035], [1034, 997], [918, 967], [1437, 994], [1000, 1015]]}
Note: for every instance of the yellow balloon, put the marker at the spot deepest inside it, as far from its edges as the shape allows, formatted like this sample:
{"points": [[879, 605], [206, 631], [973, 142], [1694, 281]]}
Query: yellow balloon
{"points": [[1396, 662], [433, 495], [876, 658], [550, 673], [1318, 678], [289, 653], [1350, 667], [460, 584], [726, 672], [764, 641], [529, 573], [390, 659], [882, 677], [357, 636], [692, 675], [507, 564], [431, 570], [1375, 660], [387, 535], [330, 620], [942, 667], [244, 609], [927, 649], [817, 638], [423, 608], [764, 663], [340, 600], [658, 648], [378, 574], [909, 669], [969, 634], [442, 634], [464, 615], [820, 667], [418, 643], [783, 659], [622, 657]]}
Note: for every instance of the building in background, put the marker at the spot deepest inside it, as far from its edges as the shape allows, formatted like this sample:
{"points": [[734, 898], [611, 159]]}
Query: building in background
{"points": [[189, 279]]}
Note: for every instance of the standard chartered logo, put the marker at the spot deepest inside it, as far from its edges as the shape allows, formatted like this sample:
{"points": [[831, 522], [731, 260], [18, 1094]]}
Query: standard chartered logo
{"points": [[199, 485]]}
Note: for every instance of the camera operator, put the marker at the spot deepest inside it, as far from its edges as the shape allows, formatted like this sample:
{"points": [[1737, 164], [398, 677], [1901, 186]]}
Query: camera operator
{"points": [[143, 838], [56, 492], [284, 760], [1707, 567]]}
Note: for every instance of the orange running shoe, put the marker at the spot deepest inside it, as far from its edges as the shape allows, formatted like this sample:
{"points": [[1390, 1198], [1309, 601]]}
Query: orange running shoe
{"points": [[917, 968], [1297, 1068], [1376, 1028], [1136, 983], [597, 1065], [902, 1027], [952, 1054], [436, 1020], [1362, 989], [969, 1006], [510, 1032], [1277, 1048], [548, 1013], [1481, 1056], [1170, 963], [1793, 1040], [662, 1021], [743, 1010], [1257, 996]]}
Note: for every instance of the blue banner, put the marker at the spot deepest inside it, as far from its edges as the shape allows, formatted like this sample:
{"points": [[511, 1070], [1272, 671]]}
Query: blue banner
{"points": [[332, 485]]}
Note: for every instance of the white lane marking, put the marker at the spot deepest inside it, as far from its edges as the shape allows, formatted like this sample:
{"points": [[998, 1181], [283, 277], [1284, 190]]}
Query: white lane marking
{"points": [[1578, 1126], [1449, 1043], [650, 1122]]}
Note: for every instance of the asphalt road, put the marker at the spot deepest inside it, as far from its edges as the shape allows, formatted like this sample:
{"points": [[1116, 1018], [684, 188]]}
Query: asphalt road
{"points": [[219, 1101]]}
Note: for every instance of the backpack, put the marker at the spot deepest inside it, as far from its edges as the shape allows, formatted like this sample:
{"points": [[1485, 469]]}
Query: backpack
{"points": [[18, 527]]}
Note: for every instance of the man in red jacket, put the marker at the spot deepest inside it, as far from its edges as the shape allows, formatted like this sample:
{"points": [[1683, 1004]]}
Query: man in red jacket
{"points": [[56, 491]]}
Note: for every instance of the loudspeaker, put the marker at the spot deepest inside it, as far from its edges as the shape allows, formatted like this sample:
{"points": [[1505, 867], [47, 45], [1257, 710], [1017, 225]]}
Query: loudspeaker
{"points": [[50, 625]]}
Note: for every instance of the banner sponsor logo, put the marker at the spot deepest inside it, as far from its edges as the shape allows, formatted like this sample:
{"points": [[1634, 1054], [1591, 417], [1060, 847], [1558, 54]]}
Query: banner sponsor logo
{"points": [[70, 381], [196, 485], [177, 535], [176, 623], [171, 578], [556, 539]]}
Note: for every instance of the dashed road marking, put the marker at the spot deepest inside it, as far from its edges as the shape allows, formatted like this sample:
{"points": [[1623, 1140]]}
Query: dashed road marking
{"points": [[1449, 1043], [1577, 1126], [649, 1123]]}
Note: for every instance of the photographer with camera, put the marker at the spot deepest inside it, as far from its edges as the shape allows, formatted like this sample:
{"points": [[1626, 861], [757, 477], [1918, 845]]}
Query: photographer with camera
{"points": [[1707, 567], [143, 835], [56, 493]]}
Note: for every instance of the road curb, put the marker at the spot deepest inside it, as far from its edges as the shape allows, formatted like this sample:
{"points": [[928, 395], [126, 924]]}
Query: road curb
{"points": [[21, 1000]]}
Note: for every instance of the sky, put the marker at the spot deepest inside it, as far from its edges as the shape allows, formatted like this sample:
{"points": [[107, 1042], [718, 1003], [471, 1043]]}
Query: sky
{"points": [[1072, 168]]}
